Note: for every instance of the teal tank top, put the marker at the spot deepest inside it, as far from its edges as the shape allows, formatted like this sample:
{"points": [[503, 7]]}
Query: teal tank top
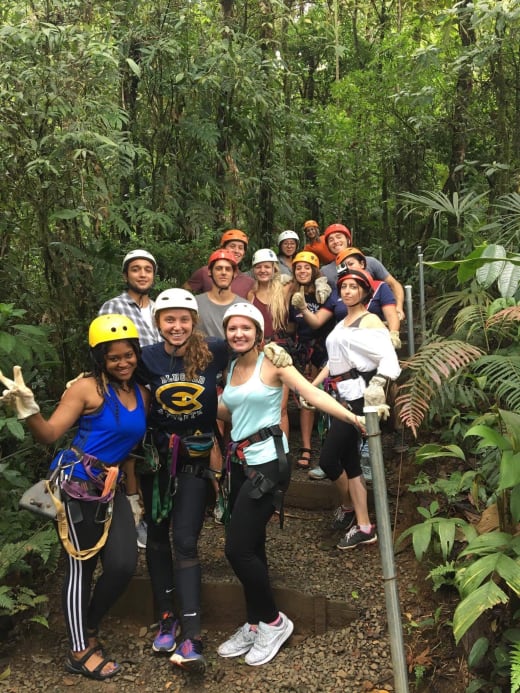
{"points": [[254, 405]]}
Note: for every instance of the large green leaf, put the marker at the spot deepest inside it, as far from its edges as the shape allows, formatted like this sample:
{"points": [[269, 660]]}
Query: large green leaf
{"points": [[474, 605], [421, 539], [490, 437], [490, 272], [491, 542], [469, 579], [509, 470], [446, 531]]}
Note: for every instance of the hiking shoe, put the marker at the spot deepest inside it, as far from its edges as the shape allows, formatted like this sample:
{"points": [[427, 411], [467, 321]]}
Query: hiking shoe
{"points": [[268, 641], [355, 537], [239, 643], [317, 473], [343, 519], [142, 531], [165, 638], [189, 656]]}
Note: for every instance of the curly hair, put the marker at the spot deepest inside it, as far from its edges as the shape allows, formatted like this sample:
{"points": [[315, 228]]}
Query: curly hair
{"points": [[197, 355]]}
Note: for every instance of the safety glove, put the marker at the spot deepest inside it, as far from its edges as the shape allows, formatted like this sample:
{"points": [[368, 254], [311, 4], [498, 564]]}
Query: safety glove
{"points": [[18, 395], [375, 396], [137, 512], [298, 300], [395, 339], [323, 290], [277, 355]]}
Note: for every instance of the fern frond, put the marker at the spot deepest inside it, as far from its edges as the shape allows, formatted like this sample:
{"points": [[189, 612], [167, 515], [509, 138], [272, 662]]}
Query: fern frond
{"points": [[470, 319], [515, 667], [502, 371], [505, 322], [430, 367]]}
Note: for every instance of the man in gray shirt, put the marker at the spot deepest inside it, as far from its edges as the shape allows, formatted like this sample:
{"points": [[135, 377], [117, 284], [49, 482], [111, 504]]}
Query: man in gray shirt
{"points": [[212, 304]]}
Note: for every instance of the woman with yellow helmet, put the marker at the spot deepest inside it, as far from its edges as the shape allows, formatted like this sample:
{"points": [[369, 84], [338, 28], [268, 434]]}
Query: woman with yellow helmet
{"points": [[109, 409]]}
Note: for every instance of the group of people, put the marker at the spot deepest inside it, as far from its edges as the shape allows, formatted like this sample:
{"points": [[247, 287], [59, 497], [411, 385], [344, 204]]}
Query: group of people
{"points": [[146, 419]]}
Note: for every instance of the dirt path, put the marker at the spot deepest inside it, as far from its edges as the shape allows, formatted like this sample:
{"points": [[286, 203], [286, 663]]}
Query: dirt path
{"points": [[303, 556]]}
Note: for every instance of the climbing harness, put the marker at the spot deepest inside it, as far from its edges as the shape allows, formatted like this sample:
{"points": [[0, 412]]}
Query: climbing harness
{"points": [[262, 484]]}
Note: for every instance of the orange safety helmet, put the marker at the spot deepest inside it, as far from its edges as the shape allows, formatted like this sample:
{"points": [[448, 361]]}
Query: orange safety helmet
{"points": [[306, 256], [311, 223], [222, 254], [362, 277], [338, 228], [341, 265], [233, 235]]}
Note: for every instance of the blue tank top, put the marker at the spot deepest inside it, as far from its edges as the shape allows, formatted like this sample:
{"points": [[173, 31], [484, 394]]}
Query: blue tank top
{"points": [[254, 405], [109, 434]]}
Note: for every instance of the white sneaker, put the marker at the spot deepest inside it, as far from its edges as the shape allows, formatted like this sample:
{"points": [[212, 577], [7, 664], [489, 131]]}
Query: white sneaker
{"points": [[316, 473], [142, 531], [268, 641], [239, 643]]}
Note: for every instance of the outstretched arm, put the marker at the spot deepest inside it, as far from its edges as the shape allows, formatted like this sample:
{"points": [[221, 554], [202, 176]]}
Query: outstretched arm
{"points": [[318, 398], [21, 399]]}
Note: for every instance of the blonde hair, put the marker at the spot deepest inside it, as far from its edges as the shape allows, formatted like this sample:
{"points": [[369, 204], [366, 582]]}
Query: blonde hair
{"points": [[277, 300]]}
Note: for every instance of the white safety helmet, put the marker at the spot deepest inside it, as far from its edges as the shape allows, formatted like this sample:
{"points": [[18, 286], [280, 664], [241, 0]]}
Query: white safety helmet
{"points": [[245, 310], [175, 298], [264, 255], [138, 254], [287, 235]]}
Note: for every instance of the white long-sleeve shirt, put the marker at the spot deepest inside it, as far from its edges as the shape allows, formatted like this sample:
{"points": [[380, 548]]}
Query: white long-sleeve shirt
{"points": [[363, 348]]}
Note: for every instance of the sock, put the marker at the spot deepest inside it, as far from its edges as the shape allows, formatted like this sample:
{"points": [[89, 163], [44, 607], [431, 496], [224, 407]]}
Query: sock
{"points": [[366, 529], [253, 627], [276, 621], [346, 510]]}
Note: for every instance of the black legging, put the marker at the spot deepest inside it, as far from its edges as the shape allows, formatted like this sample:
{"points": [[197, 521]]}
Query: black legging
{"points": [[83, 612], [187, 516], [340, 449], [245, 543]]}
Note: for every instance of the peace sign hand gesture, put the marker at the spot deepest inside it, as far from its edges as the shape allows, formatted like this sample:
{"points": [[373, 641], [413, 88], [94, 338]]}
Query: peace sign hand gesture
{"points": [[18, 395]]}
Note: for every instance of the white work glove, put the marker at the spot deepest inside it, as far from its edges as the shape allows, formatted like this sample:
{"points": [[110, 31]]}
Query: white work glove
{"points": [[18, 395], [375, 396], [136, 507], [298, 300], [395, 339], [305, 405], [277, 355], [322, 288], [285, 279]]}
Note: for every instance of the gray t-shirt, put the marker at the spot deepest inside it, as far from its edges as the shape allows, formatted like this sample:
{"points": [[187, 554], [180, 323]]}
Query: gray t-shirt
{"points": [[374, 266], [211, 314]]}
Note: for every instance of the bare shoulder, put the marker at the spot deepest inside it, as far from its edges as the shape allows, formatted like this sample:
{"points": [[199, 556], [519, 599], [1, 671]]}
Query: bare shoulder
{"points": [[270, 373], [145, 394]]}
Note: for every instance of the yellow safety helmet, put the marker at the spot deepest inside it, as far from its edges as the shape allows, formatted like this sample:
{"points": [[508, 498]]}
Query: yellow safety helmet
{"points": [[306, 256], [110, 328]]}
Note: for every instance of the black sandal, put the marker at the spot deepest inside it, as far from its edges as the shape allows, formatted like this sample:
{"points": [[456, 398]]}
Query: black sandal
{"points": [[92, 634], [78, 666], [304, 462]]}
